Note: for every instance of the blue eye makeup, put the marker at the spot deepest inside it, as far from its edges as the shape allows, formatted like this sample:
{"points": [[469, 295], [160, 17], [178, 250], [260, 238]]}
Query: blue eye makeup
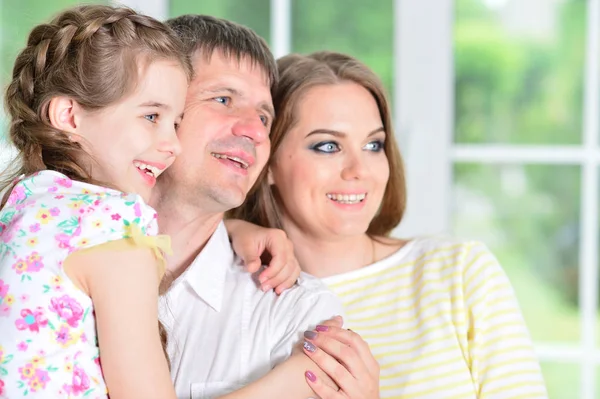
{"points": [[326, 147], [375, 146]]}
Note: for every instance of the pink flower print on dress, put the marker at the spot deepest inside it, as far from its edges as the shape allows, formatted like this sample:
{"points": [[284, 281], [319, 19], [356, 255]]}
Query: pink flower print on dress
{"points": [[4, 310], [27, 372], [22, 346], [137, 210], [17, 195], [4, 300], [115, 216], [81, 381], [3, 290], [39, 380], [68, 309], [8, 232], [63, 181], [64, 337], [55, 211], [34, 228], [34, 262], [1, 387], [19, 266], [63, 241], [32, 320]]}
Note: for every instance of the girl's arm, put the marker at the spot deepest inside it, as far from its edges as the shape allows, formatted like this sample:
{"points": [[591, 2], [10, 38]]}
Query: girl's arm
{"points": [[287, 380], [250, 242], [123, 285]]}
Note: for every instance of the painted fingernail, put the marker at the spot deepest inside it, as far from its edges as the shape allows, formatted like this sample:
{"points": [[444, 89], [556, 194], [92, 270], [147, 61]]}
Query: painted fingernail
{"points": [[309, 347], [310, 376], [321, 328], [310, 334]]}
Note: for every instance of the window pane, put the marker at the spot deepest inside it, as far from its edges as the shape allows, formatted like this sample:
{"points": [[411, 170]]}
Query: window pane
{"points": [[529, 217], [519, 71], [334, 25], [563, 380], [255, 14]]}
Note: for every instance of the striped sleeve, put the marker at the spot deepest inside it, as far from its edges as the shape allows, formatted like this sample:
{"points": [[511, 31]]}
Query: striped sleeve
{"points": [[502, 360]]}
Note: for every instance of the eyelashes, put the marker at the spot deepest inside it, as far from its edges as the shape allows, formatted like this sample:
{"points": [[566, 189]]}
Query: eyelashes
{"points": [[326, 147], [330, 147]]}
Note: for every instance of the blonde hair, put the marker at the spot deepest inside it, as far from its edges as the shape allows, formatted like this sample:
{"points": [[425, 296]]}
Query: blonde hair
{"points": [[298, 74]]}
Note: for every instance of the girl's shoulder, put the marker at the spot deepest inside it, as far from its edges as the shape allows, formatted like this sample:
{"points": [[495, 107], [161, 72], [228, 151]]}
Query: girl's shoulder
{"points": [[76, 214]]}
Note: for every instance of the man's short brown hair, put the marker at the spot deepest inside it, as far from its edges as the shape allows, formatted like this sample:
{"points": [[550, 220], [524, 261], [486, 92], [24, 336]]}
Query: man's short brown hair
{"points": [[203, 34]]}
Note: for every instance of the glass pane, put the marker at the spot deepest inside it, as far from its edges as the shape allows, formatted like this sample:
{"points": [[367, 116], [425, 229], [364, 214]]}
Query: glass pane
{"points": [[563, 380], [519, 71], [333, 25], [529, 216], [255, 14]]}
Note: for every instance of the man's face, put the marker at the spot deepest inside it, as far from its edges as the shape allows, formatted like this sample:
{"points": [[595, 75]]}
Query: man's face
{"points": [[224, 134]]}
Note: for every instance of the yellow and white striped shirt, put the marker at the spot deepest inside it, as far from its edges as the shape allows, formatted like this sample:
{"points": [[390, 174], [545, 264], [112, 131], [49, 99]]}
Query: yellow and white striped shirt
{"points": [[442, 319]]}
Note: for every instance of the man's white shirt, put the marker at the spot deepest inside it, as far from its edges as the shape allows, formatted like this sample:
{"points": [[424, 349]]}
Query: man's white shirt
{"points": [[224, 332]]}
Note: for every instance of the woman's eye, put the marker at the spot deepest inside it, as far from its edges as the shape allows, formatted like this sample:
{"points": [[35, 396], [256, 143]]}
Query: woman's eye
{"points": [[151, 117], [223, 100], [327, 147], [374, 146]]}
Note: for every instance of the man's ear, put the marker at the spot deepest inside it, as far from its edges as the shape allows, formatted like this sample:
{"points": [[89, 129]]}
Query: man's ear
{"points": [[63, 114]]}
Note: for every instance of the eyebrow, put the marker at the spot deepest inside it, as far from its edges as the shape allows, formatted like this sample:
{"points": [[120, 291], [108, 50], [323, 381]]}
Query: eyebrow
{"points": [[341, 134], [264, 106], [155, 104]]}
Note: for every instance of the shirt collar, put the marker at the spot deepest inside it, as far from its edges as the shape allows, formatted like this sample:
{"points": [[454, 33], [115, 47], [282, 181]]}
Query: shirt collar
{"points": [[207, 273]]}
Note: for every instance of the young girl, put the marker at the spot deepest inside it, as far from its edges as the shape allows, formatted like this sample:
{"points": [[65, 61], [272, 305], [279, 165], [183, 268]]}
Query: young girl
{"points": [[94, 102]]}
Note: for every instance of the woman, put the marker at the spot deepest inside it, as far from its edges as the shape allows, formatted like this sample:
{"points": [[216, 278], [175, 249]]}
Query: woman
{"points": [[439, 315]]}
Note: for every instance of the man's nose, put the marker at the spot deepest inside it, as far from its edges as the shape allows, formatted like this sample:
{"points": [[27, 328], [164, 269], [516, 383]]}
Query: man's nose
{"points": [[251, 126]]}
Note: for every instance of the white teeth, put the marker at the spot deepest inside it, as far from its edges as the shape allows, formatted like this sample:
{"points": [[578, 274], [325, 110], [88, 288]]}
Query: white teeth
{"points": [[241, 163], [148, 169], [347, 198]]}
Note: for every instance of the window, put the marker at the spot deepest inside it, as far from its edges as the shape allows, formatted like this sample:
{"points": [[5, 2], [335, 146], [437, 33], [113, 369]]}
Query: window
{"points": [[497, 111], [515, 164]]}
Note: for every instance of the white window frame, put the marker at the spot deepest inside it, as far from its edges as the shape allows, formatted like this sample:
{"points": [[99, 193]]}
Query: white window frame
{"points": [[424, 87]]}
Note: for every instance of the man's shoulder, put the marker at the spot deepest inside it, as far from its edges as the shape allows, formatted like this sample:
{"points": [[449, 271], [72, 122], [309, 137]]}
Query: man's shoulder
{"points": [[309, 285]]}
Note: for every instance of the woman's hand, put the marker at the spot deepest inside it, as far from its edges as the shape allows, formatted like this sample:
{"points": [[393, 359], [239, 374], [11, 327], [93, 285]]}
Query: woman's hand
{"points": [[250, 242], [346, 358]]}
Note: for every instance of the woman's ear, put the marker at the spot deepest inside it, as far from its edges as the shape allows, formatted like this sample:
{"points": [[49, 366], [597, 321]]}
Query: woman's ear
{"points": [[62, 113]]}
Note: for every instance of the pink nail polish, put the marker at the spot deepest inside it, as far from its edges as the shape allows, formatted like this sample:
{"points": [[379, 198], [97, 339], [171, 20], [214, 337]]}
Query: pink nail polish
{"points": [[321, 328], [310, 376]]}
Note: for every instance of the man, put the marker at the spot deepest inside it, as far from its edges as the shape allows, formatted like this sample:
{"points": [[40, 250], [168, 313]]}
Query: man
{"points": [[224, 331]]}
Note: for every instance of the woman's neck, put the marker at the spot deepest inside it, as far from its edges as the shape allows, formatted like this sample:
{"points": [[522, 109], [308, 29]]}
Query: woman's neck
{"points": [[324, 257]]}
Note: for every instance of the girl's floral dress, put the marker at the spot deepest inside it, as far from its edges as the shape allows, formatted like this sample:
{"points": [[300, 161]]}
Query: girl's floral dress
{"points": [[48, 345]]}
